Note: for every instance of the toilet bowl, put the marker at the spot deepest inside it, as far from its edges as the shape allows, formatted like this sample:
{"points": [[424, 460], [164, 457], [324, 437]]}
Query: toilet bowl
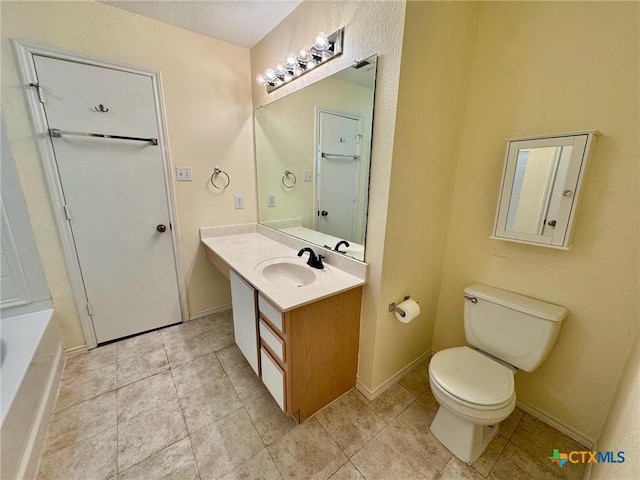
{"points": [[475, 394], [475, 387]]}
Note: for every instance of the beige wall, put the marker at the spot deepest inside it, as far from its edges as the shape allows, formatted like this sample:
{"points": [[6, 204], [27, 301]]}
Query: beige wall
{"points": [[540, 68], [370, 28], [436, 58], [207, 100], [622, 428]]}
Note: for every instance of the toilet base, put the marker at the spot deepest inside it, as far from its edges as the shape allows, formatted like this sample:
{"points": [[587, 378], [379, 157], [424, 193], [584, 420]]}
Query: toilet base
{"points": [[464, 439]]}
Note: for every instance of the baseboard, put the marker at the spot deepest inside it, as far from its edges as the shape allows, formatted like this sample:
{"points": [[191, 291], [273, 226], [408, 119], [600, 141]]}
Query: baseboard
{"points": [[74, 350], [211, 311], [376, 392], [33, 452], [569, 432]]}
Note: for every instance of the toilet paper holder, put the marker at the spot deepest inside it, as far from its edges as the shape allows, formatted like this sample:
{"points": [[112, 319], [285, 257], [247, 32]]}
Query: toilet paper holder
{"points": [[393, 308]]}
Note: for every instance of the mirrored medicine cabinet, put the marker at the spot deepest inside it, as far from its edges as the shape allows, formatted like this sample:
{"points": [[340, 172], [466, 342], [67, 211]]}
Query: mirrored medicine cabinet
{"points": [[541, 184]]}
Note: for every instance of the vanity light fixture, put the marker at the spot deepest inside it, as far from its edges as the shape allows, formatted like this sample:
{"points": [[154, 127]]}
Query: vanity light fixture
{"points": [[294, 65]]}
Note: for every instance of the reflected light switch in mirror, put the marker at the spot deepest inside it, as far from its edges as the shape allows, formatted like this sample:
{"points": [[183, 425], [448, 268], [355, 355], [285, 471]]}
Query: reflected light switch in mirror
{"points": [[271, 200], [307, 176]]}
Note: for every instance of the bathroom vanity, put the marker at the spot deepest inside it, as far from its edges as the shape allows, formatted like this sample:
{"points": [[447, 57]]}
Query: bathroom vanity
{"points": [[298, 327]]}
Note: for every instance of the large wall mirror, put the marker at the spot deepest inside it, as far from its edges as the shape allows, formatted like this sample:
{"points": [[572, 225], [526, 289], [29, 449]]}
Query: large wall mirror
{"points": [[313, 150], [541, 187]]}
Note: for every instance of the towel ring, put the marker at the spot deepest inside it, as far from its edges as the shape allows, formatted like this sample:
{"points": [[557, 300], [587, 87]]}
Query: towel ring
{"points": [[216, 172], [288, 173]]}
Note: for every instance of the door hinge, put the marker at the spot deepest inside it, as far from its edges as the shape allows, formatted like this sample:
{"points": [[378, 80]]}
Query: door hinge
{"points": [[66, 212], [89, 310], [38, 89]]}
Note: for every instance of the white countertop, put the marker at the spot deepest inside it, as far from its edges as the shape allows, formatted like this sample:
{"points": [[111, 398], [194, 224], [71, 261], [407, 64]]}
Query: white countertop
{"points": [[244, 251]]}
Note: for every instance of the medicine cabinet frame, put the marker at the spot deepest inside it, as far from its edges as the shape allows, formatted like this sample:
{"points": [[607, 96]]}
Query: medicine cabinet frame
{"points": [[537, 205]]}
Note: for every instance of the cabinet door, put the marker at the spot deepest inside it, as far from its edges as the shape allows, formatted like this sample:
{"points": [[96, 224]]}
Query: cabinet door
{"points": [[243, 299]]}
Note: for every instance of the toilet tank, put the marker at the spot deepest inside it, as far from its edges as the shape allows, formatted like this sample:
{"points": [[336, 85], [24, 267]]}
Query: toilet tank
{"points": [[516, 329]]}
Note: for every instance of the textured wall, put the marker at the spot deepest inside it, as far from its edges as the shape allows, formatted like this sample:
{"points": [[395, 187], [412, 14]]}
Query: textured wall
{"points": [[622, 428], [543, 68], [370, 28], [436, 57], [207, 101]]}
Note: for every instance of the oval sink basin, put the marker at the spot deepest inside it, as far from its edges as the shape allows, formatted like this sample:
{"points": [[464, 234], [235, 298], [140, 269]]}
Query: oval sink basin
{"points": [[290, 272]]}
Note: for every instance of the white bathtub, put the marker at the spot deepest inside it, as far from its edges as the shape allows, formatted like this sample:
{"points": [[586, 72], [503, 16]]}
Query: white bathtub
{"points": [[32, 361]]}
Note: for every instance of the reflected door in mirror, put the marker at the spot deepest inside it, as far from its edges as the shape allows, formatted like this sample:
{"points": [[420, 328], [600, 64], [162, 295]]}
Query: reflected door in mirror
{"points": [[338, 171], [535, 203]]}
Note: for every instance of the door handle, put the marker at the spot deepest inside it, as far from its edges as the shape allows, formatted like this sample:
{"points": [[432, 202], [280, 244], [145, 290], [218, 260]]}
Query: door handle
{"points": [[551, 223], [161, 228], [324, 213]]}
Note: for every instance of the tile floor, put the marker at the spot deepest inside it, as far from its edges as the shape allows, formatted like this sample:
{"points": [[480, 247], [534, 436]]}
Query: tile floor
{"points": [[182, 403]]}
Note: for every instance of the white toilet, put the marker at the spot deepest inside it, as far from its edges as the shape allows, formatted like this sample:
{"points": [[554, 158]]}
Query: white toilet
{"points": [[475, 387]]}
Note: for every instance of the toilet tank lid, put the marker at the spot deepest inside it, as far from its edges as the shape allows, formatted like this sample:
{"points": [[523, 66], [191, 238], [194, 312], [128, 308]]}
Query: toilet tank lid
{"points": [[518, 302]]}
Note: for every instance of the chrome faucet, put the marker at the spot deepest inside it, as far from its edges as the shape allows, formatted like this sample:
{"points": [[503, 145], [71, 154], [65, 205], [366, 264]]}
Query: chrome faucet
{"points": [[314, 261]]}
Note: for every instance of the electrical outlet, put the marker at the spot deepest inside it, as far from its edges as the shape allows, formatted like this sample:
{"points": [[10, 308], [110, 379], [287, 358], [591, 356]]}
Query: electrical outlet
{"points": [[239, 201], [307, 176], [183, 174], [271, 200]]}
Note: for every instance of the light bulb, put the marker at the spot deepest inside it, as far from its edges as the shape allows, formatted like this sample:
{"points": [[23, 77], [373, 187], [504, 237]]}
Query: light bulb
{"points": [[261, 80], [320, 41], [290, 61], [279, 69], [270, 75], [304, 55]]}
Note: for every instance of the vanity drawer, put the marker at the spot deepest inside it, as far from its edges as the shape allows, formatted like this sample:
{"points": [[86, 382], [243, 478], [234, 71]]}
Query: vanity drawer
{"points": [[272, 340], [271, 313], [273, 378]]}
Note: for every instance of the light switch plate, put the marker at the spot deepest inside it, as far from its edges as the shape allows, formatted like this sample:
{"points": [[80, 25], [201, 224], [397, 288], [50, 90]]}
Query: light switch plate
{"points": [[271, 200], [183, 174], [239, 201], [307, 176]]}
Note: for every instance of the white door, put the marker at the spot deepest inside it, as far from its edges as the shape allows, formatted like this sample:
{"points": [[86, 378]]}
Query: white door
{"points": [[115, 193], [337, 174]]}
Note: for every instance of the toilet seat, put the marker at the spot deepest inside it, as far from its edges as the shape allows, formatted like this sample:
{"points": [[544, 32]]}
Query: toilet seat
{"points": [[472, 379]]}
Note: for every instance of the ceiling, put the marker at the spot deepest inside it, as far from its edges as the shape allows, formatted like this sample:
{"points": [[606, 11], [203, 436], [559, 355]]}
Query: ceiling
{"points": [[241, 22]]}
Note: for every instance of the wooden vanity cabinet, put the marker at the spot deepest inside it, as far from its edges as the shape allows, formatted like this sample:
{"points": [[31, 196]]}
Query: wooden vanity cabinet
{"points": [[309, 355]]}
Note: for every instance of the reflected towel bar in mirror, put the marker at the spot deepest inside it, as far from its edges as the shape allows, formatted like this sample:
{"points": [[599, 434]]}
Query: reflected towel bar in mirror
{"points": [[286, 177], [326, 155]]}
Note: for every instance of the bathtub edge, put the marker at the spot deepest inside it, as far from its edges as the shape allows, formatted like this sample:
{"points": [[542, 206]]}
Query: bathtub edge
{"points": [[30, 463]]}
